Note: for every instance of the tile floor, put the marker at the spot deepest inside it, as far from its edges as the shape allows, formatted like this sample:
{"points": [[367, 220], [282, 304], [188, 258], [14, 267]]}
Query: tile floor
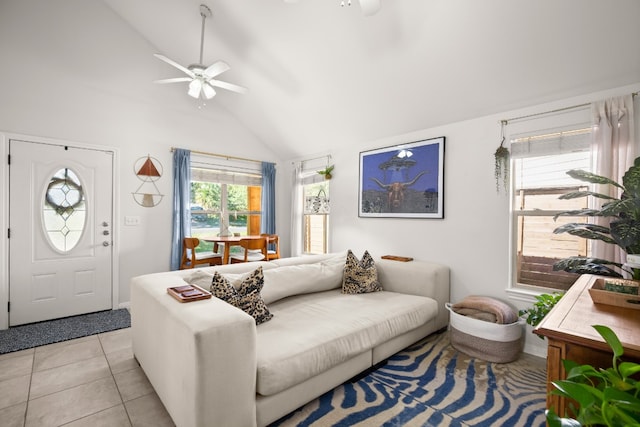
{"points": [[92, 381]]}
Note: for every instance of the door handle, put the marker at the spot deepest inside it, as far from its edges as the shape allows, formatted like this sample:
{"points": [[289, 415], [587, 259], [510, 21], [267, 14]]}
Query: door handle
{"points": [[105, 243]]}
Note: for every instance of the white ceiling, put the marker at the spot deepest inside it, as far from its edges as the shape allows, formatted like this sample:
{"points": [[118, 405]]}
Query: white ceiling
{"points": [[321, 76]]}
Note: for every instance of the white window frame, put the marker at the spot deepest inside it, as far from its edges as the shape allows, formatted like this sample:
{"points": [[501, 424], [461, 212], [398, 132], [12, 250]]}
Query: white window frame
{"points": [[517, 129], [224, 172], [308, 176]]}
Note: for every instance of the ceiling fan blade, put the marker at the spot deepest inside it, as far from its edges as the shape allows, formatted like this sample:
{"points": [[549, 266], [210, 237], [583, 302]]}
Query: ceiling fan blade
{"points": [[185, 70], [209, 92], [175, 80], [370, 7], [215, 69], [194, 88], [228, 86]]}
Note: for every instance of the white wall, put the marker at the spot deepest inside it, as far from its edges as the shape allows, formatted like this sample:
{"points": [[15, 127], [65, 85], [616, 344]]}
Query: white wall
{"points": [[74, 71], [473, 237]]}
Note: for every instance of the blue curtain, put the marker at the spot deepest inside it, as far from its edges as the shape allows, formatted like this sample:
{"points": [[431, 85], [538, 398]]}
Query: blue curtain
{"points": [[268, 201], [181, 207]]}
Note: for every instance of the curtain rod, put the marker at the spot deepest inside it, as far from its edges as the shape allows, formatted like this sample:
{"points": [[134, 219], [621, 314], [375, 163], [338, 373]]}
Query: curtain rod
{"points": [[558, 110], [224, 156]]}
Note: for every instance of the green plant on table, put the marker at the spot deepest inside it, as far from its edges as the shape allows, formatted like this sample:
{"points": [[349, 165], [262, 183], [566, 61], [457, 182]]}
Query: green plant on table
{"points": [[544, 303], [609, 397], [623, 229]]}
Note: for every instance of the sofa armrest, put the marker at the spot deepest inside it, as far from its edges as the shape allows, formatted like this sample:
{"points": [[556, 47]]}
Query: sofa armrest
{"points": [[199, 356], [422, 278]]}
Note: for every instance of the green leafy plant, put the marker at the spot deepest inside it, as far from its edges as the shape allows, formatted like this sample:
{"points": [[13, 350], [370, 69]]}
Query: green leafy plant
{"points": [[327, 172], [501, 166], [609, 397], [623, 229], [544, 303]]}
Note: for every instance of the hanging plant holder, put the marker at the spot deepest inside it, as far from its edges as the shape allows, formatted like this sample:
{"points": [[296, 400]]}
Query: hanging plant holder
{"points": [[326, 172], [501, 163]]}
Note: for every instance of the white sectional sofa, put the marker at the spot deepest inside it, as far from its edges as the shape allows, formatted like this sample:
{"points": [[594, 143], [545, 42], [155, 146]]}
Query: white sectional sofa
{"points": [[211, 365]]}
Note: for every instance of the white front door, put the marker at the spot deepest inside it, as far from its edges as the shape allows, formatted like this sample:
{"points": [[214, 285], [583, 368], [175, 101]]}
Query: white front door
{"points": [[60, 225]]}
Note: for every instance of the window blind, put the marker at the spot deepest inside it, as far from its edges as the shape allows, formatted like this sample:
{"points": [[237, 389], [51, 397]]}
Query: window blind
{"points": [[207, 169]]}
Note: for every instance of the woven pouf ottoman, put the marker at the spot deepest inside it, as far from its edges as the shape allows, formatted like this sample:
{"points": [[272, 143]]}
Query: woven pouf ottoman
{"points": [[486, 328]]}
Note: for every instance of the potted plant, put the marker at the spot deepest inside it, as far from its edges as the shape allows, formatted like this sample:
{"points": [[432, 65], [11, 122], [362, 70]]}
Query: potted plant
{"points": [[501, 166], [544, 303], [623, 230], [609, 397], [327, 172]]}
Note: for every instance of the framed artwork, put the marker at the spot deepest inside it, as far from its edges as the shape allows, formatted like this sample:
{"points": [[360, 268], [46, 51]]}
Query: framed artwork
{"points": [[403, 181]]}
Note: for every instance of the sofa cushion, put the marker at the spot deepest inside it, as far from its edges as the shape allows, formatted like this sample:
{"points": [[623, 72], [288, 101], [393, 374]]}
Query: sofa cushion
{"points": [[300, 279], [312, 333], [246, 297], [360, 276]]}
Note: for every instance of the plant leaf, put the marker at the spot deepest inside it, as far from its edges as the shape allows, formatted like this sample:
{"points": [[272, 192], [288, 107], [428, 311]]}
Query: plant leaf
{"points": [[580, 212], [623, 399], [553, 420], [611, 338], [578, 194], [586, 231], [628, 368], [620, 206], [625, 232], [582, 175], [584, 394], [631, 180], [586, 265]]}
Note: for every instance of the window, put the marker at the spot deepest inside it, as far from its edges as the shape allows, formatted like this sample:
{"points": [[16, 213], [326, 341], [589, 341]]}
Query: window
{"points": [[225, 198], [314, 207], [540, 160], [316, 218]]}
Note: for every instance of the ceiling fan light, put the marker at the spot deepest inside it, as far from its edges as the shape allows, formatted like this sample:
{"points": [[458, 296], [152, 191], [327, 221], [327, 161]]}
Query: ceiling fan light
{"points": [[209, 92], [194, 88]]}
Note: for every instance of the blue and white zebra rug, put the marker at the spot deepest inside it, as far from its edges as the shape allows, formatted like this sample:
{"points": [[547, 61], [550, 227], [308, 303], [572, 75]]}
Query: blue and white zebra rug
{"points": [[432, 384]]}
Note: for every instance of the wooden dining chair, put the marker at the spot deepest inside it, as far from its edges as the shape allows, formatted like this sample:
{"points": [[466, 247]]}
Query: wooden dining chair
{"points": [[252, 250], [273, 246], [191, 258]]}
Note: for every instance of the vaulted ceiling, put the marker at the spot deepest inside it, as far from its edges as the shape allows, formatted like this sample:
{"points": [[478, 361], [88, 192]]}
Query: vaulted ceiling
{"points": [[321, 76]]}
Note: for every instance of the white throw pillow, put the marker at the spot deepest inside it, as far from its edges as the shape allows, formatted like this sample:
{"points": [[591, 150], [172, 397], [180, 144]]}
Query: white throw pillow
{"points": [[299, 279]]}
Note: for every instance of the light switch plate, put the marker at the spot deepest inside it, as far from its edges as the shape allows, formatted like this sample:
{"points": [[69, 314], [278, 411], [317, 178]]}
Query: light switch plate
{"points": [[132, 220]]}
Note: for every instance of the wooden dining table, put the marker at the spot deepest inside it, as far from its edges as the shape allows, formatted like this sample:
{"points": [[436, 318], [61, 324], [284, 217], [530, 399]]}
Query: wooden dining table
{"points": [[228, 241]]}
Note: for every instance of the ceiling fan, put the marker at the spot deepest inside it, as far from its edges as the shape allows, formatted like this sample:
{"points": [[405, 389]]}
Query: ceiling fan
{"points": [[201, 78], [369, 7]]}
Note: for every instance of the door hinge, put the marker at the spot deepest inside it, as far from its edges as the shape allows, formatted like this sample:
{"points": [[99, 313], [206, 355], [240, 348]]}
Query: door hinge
{"points": [[8, 159], [8, 306], [8, 233]]}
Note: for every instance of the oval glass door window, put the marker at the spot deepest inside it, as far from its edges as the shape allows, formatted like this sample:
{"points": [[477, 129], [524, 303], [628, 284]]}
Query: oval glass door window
{"points": [[64, 210]]}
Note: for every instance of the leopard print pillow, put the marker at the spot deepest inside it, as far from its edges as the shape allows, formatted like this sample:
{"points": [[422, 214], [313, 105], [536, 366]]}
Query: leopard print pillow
{"points": [[247, 297], [360, 277]]}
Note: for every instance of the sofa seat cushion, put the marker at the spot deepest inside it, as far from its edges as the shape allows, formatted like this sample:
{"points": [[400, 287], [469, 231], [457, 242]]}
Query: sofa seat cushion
{"points": [[314, 332]]}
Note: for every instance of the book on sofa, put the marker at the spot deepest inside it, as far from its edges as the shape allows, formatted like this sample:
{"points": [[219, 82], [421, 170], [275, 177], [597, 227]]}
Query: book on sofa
{"points": [[188, 293]]}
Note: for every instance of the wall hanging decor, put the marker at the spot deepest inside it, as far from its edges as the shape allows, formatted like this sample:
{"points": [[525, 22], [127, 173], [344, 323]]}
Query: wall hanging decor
{"points": [[318, 204], [148, 170], [403, 181]]}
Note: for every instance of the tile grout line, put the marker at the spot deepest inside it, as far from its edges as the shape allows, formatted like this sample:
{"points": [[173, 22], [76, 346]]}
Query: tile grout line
{"points": [[113, 377]]}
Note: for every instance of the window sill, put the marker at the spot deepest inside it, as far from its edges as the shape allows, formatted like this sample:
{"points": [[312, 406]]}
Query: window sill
{"points": [[526, 294]]}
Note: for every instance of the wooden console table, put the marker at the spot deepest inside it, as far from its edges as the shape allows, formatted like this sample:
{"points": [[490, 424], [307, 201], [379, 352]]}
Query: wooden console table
{"points": [[570, 335]]}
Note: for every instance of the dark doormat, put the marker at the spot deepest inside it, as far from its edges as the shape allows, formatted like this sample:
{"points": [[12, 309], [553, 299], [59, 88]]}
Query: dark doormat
{"points": [[52, 331]]}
